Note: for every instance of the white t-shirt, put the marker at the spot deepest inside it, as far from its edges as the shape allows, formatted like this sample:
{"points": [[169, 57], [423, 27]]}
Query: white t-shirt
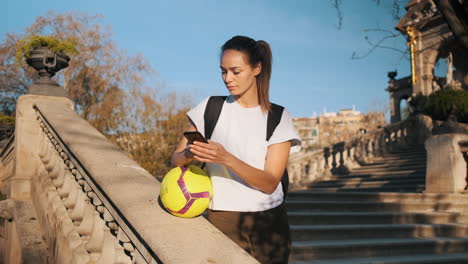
{"points": [[242, 132]]}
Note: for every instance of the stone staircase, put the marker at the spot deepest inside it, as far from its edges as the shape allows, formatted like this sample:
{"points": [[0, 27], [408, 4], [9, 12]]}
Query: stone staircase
{"points": [[378, 214]]}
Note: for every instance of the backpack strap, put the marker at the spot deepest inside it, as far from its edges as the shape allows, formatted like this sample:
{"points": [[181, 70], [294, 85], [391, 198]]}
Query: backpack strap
{"points": [[274, 118], [212, 112]]}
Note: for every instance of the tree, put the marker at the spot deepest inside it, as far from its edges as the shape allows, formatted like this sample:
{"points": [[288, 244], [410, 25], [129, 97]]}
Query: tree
{"points": [[159, 132], [107, 86], [14, 81], [96, 79]]}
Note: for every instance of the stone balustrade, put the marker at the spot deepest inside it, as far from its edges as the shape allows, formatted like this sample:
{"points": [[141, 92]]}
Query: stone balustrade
{"points": [[94, 204], [309, 166], [88, 231]]}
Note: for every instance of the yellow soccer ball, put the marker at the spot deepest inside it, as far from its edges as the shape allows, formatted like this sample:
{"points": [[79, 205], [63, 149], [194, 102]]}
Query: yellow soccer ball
{"points": [[186, 191]]}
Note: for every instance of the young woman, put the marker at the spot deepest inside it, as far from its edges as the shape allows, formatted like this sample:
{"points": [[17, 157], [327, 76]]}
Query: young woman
{"points": [[245, 168]]}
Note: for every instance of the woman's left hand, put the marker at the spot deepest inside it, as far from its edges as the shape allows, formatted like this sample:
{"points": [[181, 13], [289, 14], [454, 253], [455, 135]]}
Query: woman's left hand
{"points": [[211, 152]]}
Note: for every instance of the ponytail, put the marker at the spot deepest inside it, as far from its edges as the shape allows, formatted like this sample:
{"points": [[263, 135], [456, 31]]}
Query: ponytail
{"points": [[263, 78]]}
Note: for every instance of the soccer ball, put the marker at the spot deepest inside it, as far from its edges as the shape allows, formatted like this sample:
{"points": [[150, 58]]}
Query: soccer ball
{"points": [[186, 191]]}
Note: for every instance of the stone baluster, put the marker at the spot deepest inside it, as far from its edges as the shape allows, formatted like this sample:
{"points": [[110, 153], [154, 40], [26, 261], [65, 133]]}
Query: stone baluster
{"points": [[377, 147], [70, 201], [314, 170], [49, 161], [326, 157], [334, 163], [350, 161], [400, 140], [78, 211], [85, 227], [64, 190], [96, 239], [59, 173], [369, 148], [43, 147]]}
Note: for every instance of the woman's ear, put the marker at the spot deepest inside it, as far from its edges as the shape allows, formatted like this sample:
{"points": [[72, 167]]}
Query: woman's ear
{"points": [[258, 69]]}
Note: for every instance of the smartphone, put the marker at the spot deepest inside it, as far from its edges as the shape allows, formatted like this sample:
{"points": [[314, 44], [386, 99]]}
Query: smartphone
{"points": [[194, 136]]}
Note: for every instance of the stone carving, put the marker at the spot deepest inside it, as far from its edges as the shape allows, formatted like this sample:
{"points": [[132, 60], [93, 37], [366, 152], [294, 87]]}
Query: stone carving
{"points": [[430, 38], [88, 231]]}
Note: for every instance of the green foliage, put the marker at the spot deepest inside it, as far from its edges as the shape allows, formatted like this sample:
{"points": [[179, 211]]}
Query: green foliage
{"points": [[7, 120], [441, 104], [27, 44]]}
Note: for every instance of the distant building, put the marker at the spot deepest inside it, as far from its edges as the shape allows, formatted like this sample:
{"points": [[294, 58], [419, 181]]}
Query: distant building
{"points": [[308, 129], [331, 127]]}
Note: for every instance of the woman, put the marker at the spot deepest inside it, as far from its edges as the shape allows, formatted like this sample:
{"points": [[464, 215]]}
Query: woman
{"points": [[245, 169]]}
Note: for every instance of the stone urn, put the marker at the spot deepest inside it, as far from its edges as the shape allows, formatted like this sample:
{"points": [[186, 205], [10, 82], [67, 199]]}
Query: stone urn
{"points": [[46, 63]]}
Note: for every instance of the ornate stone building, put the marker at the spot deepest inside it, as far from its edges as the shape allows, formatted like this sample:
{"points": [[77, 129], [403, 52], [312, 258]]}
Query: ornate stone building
{"points": [[330, 128], [430, 34]]}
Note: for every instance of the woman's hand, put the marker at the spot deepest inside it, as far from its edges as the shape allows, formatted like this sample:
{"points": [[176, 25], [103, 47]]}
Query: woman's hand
{"points": [[211, 152]]}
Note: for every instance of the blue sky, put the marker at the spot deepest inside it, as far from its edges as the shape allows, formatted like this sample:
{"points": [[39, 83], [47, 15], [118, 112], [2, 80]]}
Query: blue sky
{"points": [[312, 67]]}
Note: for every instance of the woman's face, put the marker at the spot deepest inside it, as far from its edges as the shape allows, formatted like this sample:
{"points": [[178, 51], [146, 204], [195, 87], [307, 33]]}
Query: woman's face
{"points": [[238, 75]]}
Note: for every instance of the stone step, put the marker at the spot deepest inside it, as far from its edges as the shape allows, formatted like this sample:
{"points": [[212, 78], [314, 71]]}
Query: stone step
{"points": [[415, 151], [415, 148], [355, 218], [361, 206], [411, 154], [370, 182], [403, 172], [368, 169], [375, 176], [377, 196], [381, 160], [395, 163], [312, 250], [362, 231], [402, 188], [395, 160], [454, 258]]}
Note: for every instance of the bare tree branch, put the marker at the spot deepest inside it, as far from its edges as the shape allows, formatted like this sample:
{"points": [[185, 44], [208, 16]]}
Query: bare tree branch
{"points": [[396, 10], [395, 13], [339, 13], [379, 43]]}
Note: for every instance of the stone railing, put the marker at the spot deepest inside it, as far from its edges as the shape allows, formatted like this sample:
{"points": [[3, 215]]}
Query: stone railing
{"points": [[7, 155], [70, 198], [307, 167], [6, 130], [94, 204], [447, 163]]}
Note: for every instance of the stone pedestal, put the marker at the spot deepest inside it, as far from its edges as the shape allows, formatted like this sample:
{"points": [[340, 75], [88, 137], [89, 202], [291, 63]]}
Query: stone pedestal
{"points": [[27, 133], [446, 167]]}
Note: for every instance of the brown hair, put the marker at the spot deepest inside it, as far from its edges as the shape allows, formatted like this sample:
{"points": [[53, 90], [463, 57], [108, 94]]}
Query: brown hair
{"points": [[258, 52]]}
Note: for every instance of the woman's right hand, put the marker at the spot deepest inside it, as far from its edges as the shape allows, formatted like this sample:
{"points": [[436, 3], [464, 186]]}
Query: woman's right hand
{"points": [[182, 154]]}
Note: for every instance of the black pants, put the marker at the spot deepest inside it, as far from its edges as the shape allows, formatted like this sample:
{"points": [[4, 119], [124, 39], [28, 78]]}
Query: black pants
{"points": [[264, 235]]}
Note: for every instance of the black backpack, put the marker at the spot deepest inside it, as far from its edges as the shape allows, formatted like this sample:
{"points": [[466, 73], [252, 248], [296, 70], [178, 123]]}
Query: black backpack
{"points": [[211, 115]]}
